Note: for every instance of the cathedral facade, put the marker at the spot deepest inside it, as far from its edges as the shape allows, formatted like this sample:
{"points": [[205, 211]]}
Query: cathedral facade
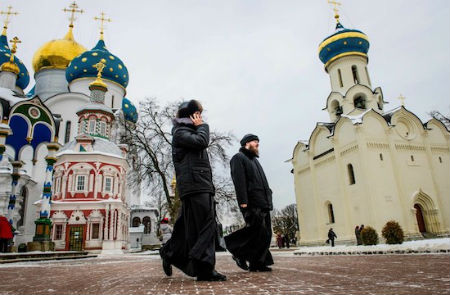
{"points": [[59, 132], [368, 165]]}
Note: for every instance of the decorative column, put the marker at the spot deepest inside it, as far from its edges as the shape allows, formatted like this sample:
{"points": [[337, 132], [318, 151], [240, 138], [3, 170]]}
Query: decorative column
{"points": [[15, 180], [43, 223], [5, 168]]}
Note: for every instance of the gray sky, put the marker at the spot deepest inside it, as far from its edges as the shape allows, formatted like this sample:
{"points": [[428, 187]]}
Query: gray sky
{"points": [[254, 63]]}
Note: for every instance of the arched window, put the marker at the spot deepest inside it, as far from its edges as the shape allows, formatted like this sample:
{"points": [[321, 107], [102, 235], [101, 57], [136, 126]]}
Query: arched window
{"points": [[412, 158], [355, 75], [440, 159], [336, 108], [136, 222], [340, 78], [147, 223], [23, 208], [359, 102], [112, 101], [67, 134], [91, 126], [330, 213], [381, 157], [351, 174]]}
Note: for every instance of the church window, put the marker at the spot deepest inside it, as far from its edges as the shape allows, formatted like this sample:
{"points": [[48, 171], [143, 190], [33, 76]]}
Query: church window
{"points": [[440, 159], [340, 78], [381, 157], [81, 182], [351, 174], [67, 134], [136, 221], [103, 128], [147, 224], [330, 213], [95, 229], [108, 184], [355, 75], [412, 158], [112, 101], [57, 185], [91, 126], [58, 231], [359, 102], [24, 194]]}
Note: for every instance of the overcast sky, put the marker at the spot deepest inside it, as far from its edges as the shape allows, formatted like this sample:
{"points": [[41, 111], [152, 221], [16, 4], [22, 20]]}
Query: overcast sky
{"points": [[254, 63]]}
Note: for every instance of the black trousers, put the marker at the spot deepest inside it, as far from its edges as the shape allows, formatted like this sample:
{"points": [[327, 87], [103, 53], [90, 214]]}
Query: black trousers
{"points": [[192, 245], [3, 245], [252, 242]]}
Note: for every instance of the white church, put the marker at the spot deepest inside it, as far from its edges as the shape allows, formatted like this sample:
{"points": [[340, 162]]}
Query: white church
{"points": [[368, 165]]}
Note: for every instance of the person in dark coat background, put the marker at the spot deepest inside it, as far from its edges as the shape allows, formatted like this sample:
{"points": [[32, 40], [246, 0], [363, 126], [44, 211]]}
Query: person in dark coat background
{"points": [[254, 197], [192, 245], [6, 234], [331, 236], [358, 236]]}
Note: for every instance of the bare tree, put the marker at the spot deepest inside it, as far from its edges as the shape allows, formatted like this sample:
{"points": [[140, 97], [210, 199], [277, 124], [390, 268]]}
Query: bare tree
{"points": [[443, 118], [151, 138], [285, 221]]}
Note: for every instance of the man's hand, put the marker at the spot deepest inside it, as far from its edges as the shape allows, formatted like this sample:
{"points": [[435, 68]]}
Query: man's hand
{"points": [[243, 205], [197, 119]]}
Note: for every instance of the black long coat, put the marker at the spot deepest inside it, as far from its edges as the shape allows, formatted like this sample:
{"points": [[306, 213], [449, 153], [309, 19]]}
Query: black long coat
{"points": [[249, 180], [190, 158]]}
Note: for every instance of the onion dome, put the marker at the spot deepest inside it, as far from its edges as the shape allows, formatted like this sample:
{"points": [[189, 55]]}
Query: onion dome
{"points": [[23, 77], [129, 110], [343, 42], [83, 66], [57, 54]]}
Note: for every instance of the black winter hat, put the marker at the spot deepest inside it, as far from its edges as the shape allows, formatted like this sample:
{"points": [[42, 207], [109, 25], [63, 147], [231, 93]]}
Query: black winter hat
{"points": [[247, 138], [188, 108]]}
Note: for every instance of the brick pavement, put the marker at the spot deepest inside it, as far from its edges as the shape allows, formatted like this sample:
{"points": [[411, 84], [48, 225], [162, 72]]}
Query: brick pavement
{"points": [[142, 274]]}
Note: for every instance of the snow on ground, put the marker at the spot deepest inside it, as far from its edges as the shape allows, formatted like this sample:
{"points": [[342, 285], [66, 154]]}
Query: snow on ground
{"points": [[432, 245]]}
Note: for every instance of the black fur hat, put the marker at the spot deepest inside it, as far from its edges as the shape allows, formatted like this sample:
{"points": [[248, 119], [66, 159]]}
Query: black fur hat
{"points": [[188, 108], [247, 138]]}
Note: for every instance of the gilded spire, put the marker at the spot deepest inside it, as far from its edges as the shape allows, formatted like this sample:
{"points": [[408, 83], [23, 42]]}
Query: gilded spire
{"points": [[73, 8], [99, 82], [102, 20], [11, 66], [7, 20], [335, 9]]}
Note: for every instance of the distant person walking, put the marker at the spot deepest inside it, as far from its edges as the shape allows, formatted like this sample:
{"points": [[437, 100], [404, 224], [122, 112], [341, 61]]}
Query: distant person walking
{"points": [[331, 236], [254, 197], [6, 234], [192, 245], [358, 236], [166, 230]]}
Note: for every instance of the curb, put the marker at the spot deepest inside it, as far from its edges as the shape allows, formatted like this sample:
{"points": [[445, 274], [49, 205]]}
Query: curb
{"points": [[374, 252]]}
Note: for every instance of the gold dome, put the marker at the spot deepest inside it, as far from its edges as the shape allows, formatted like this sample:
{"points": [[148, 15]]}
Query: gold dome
{"points": [[57, 54]]}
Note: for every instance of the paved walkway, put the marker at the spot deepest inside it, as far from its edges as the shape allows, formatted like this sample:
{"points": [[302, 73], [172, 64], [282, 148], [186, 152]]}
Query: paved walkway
{"points": [[292, 274]]}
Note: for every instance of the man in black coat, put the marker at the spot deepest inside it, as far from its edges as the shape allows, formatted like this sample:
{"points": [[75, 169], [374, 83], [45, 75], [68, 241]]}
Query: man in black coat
{"points": [[254, 197], [331, 236], [192, 245]]}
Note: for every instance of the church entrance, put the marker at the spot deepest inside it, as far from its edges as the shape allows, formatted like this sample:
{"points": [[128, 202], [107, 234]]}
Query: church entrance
{"points": [[76, 237], [420, 220]]}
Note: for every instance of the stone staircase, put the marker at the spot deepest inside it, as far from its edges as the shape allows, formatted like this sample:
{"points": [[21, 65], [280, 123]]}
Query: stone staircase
{"points": [[40, 256]]}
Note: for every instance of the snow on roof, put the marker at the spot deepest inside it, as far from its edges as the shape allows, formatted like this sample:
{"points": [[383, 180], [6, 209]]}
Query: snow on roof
{"points": [[12, 96], [100, 146]]}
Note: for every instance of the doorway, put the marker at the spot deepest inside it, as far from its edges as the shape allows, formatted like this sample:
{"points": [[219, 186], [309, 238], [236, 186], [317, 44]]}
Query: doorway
{"points": [[76, 234], [419, 217]]}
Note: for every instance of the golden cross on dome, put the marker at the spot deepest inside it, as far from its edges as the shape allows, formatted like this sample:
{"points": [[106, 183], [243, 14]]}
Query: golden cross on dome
{"points": [[102, 20], [402, 99], [99, 66], [335, 8], [14, 41], [73, 9], [8, 14]]}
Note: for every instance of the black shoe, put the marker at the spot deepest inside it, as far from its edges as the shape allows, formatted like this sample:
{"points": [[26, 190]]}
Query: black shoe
{"points": [[214, 276], [262, 268], [167, 267], [240, 263]]}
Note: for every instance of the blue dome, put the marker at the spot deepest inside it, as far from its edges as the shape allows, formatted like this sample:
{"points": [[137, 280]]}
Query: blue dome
{"points": [[343, 43], [23, 78], [82, 66], [129, 110]]}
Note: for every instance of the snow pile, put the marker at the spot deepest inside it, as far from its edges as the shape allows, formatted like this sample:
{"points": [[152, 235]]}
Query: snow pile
{"points": [[419, 246]]}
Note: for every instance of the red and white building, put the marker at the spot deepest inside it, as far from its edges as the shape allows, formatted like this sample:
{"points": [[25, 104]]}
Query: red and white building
{"points": [[90, 209]]}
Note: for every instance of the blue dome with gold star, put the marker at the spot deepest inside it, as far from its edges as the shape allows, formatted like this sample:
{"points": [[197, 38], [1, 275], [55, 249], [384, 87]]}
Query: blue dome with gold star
{"points": [[343, 42], [82, 66], [129, 110], [23, 78]]}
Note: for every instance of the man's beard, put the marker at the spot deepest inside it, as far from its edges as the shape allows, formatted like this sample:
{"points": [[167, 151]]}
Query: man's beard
{"points": [[254, 150]]}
